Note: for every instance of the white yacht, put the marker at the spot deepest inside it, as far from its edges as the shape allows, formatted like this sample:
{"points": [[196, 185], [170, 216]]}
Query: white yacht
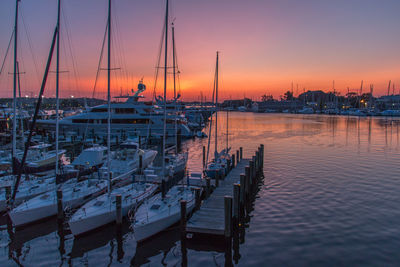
{"points": [[306, 110], [41, 155], [132, 116], [126, 161]]}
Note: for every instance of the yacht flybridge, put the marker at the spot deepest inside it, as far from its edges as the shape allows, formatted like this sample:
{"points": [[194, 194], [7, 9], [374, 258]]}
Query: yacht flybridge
{"points": [[132, 116]]}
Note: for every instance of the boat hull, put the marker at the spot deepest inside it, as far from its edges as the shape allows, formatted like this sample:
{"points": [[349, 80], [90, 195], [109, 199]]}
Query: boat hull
{"points": [[89, 223], [145, 231]]}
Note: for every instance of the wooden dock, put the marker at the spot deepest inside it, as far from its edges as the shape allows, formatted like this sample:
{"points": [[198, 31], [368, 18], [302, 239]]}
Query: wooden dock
{"points": [[227, 206], [210, 218]]}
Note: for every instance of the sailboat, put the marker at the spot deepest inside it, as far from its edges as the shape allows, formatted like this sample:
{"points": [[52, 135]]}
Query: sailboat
{"points": [[75, 194], [28, 188], [173, 164], [220, 163], [160, 212], [101, 210]]}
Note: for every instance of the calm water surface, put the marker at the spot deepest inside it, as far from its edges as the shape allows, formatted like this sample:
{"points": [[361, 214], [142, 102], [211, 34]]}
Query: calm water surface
{"points": [[330, 196]]}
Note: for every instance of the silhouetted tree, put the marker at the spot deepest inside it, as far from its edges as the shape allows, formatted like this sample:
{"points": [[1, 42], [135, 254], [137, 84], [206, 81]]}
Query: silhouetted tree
{"points": [[288, 96]]}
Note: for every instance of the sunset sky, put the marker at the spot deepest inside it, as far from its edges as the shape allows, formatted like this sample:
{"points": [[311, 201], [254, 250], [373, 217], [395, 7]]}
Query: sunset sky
{"points": [[264, 45]]}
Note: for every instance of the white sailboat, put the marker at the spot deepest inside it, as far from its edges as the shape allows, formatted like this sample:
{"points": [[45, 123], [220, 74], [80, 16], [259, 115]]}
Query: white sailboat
{"points": [[102, 210], [220, 163], [26, 191], [157, 213], [45, 205]]}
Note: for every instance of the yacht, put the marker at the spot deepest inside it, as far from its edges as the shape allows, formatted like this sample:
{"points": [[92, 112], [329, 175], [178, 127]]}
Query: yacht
{"points": [[306, 110], [133, 116]]}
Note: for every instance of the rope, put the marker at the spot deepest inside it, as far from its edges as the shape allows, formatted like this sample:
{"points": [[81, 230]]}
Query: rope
{"points": [[8, 48]]}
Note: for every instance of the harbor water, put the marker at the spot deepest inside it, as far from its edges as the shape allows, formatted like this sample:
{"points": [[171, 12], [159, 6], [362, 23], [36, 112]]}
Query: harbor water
{"points": [[330, 196]]}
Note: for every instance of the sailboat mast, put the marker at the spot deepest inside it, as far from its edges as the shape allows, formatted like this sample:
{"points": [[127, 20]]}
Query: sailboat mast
{"points": [[165, 85], [174, 73], [216, 108], [227, 130], [173, 57], [14, 131], [57, 82], [109, 98]]}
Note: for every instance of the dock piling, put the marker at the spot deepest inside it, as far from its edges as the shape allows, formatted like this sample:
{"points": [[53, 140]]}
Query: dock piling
{"points": [[248, 176], [262, 155], [204, 156], [242, 192], [118, 210], [236, 203], [197, 198], [208, 187], [217, 173], [60, 209], [228, 215], [233, 160], [163, 188], [237, 157], [258, 161], [140, 164], [241, 153], [183, 218]]}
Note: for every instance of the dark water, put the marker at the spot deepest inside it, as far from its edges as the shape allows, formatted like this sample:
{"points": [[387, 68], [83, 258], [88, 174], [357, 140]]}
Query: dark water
{"points": [[330, 196]]}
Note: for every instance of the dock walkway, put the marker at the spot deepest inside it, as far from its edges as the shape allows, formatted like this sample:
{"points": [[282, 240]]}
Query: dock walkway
{"points": [[209, 219]]}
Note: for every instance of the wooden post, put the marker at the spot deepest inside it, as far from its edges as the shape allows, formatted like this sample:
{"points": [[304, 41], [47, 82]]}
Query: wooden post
{"points": [[248, 174], [140, 164], [118, 209], [228, 215], [241, 153], [233, 161], [60, 209], [197, 198], [217, 178], [236, 203], [242, 192], [163, 188], [229, 167], [247, 182], [204, 156], [262, 156], [208, 187], [254, 167], [183, 218], [237, 157], [257, 161]]}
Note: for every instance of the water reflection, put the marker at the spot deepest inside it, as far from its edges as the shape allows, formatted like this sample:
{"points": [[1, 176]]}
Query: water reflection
{"points": [[101, 238], [19, 245], [161, 244], [331, 185]]}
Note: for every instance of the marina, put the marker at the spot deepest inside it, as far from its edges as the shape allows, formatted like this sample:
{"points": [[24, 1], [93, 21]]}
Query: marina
{"points": [[176, 133], [289, 215]]}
